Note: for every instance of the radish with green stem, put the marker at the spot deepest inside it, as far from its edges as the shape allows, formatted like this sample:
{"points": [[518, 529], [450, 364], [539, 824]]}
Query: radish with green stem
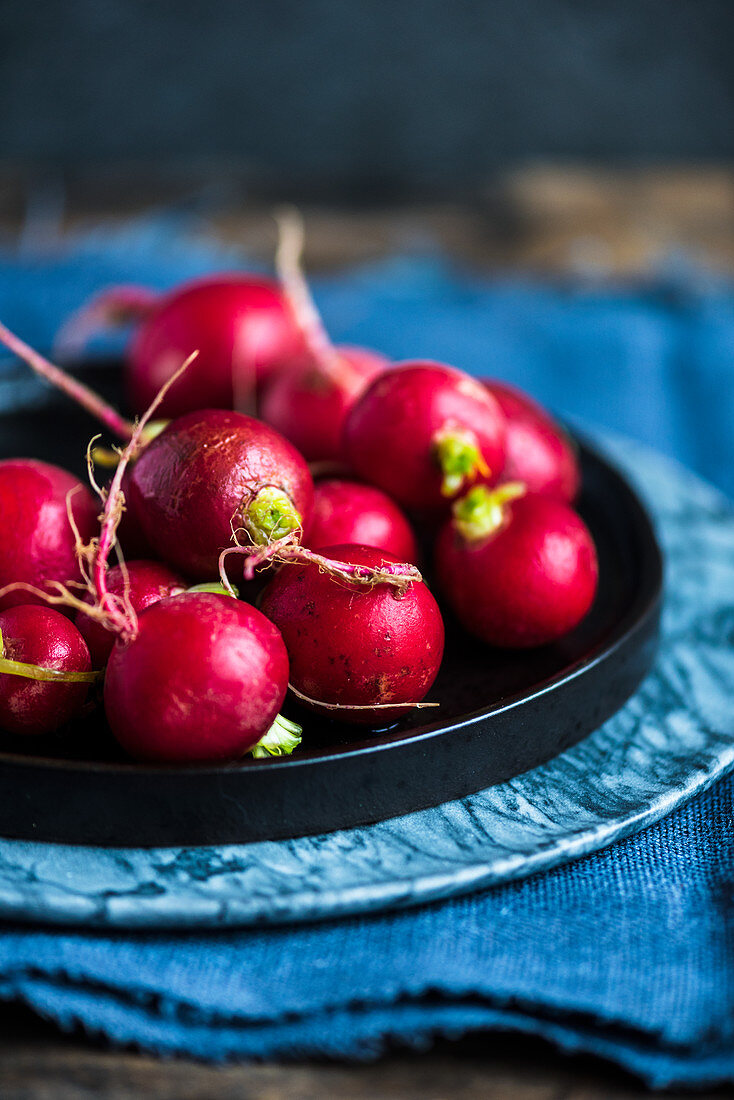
{"points": [[196, 482], [423, 432], [193, 677], [519, 569]]}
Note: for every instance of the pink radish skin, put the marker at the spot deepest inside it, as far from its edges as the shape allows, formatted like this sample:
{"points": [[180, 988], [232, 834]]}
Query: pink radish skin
{"points": [[349, 512], [195, 482], [519, 572], [539, 453], [411, 416], [149, 581], [40, 636], [309, 407], [38, 542], [242, 328], [364, 648], [203, 680]]}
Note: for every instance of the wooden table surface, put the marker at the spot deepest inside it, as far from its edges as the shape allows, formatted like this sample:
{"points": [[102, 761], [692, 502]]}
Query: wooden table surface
{"points": [[551, 220]]}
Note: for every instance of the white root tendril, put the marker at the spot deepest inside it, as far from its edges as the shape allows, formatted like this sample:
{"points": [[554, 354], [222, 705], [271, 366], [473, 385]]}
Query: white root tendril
{"points": [[357, 706]]}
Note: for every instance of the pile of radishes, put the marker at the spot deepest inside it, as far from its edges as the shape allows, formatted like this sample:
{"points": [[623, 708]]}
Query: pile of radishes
{"points": [[205, 575]]}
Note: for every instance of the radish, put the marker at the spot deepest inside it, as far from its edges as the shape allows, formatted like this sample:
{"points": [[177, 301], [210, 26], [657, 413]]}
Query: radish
{"points": [[211, 474], [40, 505], [203, 678], [309, 406], [364, 655], [539, 452], [45, 671], [197, 676], [200, 480], [519, 569], [423, 432], [240, 324], [308, 399], [146, 581], [349, 512]]}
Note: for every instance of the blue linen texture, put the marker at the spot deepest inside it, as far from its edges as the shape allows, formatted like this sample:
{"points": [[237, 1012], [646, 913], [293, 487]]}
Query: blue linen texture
{"points": [[628, 954]]}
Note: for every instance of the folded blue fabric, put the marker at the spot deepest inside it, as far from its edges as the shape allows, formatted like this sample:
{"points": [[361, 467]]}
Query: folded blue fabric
{"points": [[629, 953]]}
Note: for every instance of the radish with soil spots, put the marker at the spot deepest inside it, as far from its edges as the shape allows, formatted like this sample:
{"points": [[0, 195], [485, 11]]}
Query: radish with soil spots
{"points": [[361, 655], [519, 569], [539, 452], [45, 670], [147, 582], [39, 542], [423, 432], [210, 474], [308, 399], [241, 325], [350, 512]]}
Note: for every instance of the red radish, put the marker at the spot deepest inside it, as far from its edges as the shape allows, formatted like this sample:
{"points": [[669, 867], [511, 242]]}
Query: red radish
{"points": [[45, 670], [193, 677], [423, 432], [201, 479], [39, 543], [349, 512], [370, 651], [240, 324], [539, 452], [309, 398], [309, 406], [147, 582], [210, 474], [519, 569], [202, 679]]}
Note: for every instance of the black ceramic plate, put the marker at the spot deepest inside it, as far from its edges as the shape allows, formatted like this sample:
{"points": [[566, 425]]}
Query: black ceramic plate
{"points": [[500, 714]]}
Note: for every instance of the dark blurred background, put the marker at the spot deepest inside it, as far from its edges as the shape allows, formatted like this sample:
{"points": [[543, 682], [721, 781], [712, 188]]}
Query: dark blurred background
{"points": [[363, 99]]}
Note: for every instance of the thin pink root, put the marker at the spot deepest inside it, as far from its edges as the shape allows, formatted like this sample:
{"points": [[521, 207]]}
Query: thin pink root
{"points": [[297, 293], [74, 389], [112, 308], [399, 575]]}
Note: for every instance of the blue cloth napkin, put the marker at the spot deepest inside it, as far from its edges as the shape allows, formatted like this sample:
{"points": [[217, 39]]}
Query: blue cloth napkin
{"points": [[628, 954]]}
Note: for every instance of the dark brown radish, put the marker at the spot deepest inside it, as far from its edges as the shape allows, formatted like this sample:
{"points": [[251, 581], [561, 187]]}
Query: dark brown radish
{"points": [[423, 432], [351, 512], [38, 503], [539, 451], [45, 670], [519, 569], [363, 655]]}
